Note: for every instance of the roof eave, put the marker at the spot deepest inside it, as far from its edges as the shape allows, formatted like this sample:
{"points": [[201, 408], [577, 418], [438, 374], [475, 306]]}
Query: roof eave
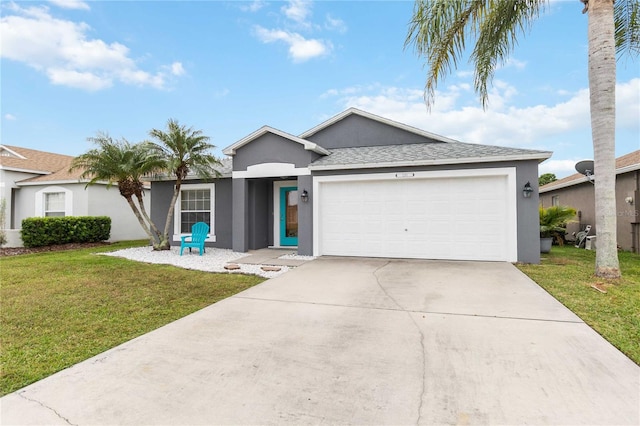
{"points": [[56, 182], [18, 169]]}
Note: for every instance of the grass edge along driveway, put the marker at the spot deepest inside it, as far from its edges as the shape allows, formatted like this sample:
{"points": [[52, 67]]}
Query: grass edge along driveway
{"points": [[62, 307], [567, 273]]}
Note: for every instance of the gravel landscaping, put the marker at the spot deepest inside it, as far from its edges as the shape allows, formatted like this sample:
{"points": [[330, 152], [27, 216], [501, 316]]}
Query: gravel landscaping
{"points": [[212, 260]]}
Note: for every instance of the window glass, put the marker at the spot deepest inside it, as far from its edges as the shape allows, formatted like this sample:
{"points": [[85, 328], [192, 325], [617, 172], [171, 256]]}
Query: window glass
{"points": [[54, 204], [195, 207], [555, 200]]}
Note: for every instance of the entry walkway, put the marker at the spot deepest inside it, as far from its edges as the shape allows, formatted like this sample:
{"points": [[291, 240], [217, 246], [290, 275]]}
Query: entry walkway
{"points": [[271, 256], [355, 341]]}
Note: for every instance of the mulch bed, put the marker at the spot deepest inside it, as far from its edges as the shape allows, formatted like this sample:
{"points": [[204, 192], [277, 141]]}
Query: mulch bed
{"points": [[15, 251]]}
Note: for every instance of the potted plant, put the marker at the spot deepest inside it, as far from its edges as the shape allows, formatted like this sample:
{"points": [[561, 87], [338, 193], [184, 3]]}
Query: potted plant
{"points": [[553, 220]]}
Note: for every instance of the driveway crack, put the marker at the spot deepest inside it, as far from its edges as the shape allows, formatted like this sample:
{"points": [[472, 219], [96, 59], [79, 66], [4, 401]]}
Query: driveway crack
{"points": [[422, 343], [60, 416]]}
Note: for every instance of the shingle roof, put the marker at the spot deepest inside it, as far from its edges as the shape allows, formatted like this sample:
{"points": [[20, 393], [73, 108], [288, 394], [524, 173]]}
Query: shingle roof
{"points": [[33, 160], [50, 166], [422, 154], [623, 164]]}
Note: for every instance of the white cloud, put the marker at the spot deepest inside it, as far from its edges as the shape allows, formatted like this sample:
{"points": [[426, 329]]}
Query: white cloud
{"points": [[501, 124], [628, 105], [61, 50], [177, 69], [514, 63], [300, 48], [559, 167], [335, 24], [298, 11], [70, 4], [221, 93], [562, 127], [254, 6], [10, 117], [77, 79]]}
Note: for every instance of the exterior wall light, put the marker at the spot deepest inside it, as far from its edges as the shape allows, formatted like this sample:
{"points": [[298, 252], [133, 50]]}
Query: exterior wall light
{"points": [[527, 190], [629, 200], [304, 196]]}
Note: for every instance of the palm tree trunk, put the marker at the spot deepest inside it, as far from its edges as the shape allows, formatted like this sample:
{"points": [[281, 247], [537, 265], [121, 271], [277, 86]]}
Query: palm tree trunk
{"points": [[602, 86], [152, 239], [143, 210], [164, 243]]}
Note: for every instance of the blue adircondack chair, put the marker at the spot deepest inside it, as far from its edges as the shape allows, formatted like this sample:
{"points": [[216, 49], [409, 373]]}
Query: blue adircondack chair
{"points": [[199, 232]]}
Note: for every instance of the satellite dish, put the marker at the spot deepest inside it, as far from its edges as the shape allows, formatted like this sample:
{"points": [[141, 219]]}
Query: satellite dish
{"points": [[585, 167]]}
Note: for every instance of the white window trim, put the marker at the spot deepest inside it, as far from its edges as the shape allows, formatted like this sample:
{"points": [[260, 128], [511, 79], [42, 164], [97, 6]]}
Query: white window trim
{"points": [[178, 210], [40, 200]]}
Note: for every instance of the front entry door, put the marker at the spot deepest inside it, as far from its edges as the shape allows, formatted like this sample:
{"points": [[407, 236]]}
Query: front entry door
{"points": [[289, 216]]}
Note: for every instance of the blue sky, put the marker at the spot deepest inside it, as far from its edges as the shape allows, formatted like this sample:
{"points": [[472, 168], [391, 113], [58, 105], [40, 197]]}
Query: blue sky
{"points": [[72, 68]]}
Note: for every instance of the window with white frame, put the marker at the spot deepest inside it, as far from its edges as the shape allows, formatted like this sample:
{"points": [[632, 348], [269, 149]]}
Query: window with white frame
{"points": [[195, 204], [54, 204], [54, 201], [555, 200]]}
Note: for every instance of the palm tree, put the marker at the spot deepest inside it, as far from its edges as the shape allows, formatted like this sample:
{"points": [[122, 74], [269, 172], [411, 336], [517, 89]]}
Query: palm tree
{"points": [[124, 164], [183, 150], [438, 32]]}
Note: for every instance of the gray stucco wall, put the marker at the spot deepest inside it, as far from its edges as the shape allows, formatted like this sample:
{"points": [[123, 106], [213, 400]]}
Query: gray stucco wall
{"points": [[305, 218], [528, 223], [581, 197], [240, 240], [356, 131], [161, 193], [271, 148], [260, 227]]}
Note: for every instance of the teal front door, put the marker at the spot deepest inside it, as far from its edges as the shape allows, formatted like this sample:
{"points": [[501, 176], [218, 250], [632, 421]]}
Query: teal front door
{"points": [[289, 216]]}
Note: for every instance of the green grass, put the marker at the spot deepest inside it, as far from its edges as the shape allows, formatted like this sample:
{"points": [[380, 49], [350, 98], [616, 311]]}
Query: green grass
{"points": [[567, 273], [59, 308]]}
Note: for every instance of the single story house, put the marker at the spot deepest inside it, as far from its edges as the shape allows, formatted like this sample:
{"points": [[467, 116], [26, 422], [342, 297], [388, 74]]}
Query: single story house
{"points": [[363, 185], [36, 184], [577, 191]]}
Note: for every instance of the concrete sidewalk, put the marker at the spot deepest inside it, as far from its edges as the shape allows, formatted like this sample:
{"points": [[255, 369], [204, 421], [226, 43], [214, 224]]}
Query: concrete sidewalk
{"points": [[355, 341]]}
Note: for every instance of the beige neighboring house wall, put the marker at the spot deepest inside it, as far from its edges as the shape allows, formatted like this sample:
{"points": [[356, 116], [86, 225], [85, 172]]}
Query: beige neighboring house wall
{"points": [[26, 176], [577, 191]]}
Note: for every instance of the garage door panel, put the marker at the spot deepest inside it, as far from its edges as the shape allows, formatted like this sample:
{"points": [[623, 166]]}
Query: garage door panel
{"points": [[438, 218]]}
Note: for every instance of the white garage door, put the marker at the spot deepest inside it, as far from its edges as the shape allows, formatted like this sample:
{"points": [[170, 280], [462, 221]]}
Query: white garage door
{"points": [[469, 217]]}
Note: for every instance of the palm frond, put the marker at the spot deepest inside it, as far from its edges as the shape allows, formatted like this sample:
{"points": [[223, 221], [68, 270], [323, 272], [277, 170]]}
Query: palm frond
{"points": [[498, 31], [627, 27]]}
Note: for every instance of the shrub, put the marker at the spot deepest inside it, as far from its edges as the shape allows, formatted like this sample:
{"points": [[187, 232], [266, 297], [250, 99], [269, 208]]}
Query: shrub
{"points": [[46, 231]]}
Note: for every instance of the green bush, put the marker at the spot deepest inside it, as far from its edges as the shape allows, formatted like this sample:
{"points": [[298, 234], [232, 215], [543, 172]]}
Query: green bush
{"points": [[47, 231]]}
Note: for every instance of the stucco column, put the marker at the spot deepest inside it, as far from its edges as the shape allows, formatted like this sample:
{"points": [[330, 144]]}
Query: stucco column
{"points": [[239, 222], [528, 215], [305, 217]]}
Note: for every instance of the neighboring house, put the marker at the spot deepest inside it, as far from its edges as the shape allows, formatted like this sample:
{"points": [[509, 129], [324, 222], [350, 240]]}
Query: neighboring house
{"points": [[362, 185], [577, 191], [36, 184]]}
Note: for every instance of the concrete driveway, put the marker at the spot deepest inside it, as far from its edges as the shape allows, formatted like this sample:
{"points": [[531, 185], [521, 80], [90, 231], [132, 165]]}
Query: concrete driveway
{"points": [[355, 341]]}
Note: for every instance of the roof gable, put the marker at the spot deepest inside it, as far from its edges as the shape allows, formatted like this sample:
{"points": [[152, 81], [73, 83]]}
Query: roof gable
{"points": [[309, 146], [354, 111]]}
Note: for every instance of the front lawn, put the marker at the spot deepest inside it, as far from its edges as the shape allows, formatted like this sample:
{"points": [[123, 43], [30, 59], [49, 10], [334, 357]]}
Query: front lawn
{"points": [[59, 308], [567, 274]]}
